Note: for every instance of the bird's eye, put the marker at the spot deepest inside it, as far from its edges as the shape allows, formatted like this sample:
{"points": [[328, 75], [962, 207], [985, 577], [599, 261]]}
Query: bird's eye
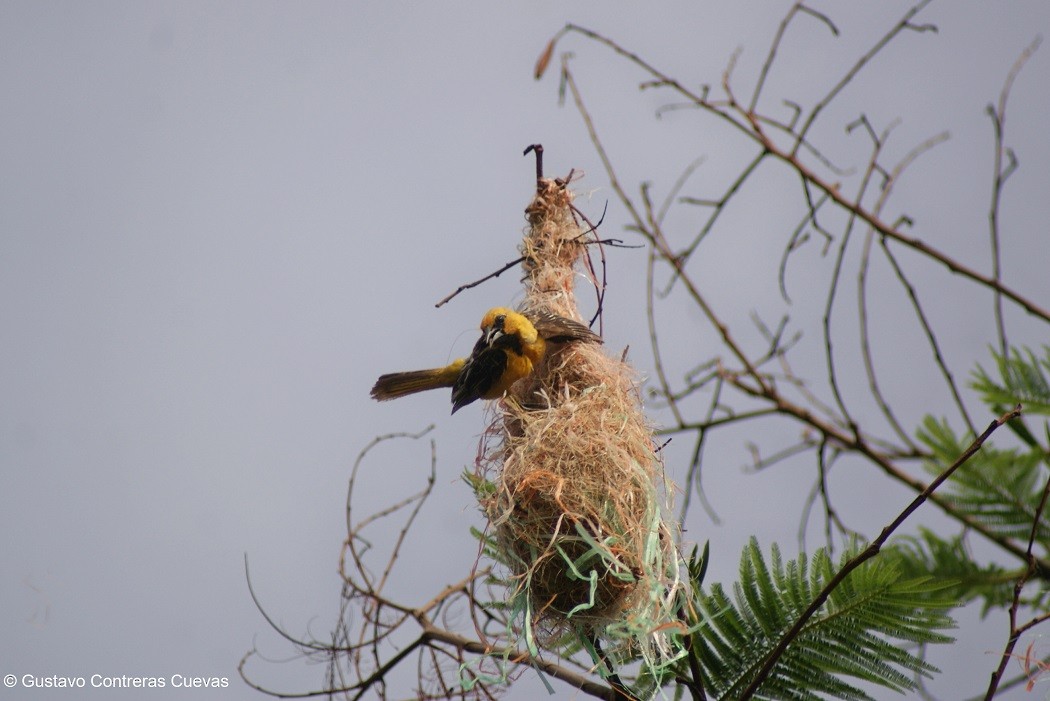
{"points": [[498, 322]]}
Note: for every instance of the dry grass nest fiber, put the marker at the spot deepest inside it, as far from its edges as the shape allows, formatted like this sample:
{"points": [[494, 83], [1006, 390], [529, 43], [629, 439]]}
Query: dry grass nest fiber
{"points": [[575, 505]]}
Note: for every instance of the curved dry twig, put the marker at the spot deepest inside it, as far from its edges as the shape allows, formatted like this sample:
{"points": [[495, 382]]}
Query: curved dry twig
{"points": [[1001, 173]]}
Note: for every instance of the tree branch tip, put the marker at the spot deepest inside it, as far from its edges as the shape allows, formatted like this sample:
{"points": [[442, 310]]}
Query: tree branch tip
{"points": [[822, 17], [921, 28]]}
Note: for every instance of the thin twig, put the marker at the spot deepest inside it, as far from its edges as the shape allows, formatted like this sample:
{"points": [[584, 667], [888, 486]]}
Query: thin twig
{"points": [[797, 239], [891, 180], [862, 290], [1001, 173], [771, 55], [467, 286], [614, 243], [719, 206]]}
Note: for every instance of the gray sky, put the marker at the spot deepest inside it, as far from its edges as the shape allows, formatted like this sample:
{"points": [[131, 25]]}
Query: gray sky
{"points": [[219, 222]]}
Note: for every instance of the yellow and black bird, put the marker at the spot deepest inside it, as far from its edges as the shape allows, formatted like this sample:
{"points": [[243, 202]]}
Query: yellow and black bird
{"points": [[512, 344]]}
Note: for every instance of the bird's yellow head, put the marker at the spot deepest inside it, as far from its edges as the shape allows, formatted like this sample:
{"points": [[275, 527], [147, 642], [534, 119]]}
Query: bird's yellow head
{"points": [[501, 321]]}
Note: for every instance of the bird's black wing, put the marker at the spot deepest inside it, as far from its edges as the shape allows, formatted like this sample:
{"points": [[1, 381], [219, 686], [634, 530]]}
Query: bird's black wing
{"points": [[481, 373], [558, 329]]}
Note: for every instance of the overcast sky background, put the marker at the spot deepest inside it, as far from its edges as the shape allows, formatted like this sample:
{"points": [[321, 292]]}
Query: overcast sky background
{"points": [[219, 222]]}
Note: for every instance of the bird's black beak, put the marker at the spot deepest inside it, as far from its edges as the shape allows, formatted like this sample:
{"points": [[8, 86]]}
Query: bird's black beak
{"points": [[494, 332]]}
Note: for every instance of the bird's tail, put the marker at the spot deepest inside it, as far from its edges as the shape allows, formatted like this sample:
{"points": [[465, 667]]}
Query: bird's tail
{"points": [[399, 384]]}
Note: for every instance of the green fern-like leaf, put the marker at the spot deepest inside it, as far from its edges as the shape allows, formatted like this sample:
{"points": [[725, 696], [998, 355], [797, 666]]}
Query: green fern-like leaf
{"points": [[1023, 379], [854, 637], [949, 560], [1000, 488]]}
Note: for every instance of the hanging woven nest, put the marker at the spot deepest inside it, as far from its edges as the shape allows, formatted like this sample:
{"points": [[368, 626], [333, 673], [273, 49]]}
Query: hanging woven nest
{"points": [[574, 485]]}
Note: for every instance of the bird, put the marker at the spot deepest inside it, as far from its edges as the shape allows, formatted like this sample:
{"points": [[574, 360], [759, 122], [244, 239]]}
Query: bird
{"points": [[512, 344]]}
